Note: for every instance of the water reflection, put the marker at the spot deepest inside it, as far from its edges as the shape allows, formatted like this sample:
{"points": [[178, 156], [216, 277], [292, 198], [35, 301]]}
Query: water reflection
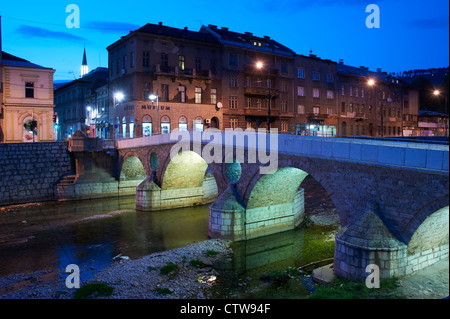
{"points": [[90, 233]]}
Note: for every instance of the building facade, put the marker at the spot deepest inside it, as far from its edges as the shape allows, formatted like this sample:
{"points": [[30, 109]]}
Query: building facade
{"points": [[27, 101], [76, 104], [218, 78], [179, 68]]}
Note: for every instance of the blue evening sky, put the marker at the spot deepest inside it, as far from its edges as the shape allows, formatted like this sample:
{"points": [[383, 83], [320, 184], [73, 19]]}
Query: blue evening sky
{"points": [[413, 34]]}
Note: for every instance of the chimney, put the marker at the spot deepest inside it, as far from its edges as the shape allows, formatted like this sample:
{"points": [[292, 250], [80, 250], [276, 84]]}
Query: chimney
{"points": [[266, 37], [185, 28], [341, 61], [378, 70], [160, 23], [212, 26], [249, 34], [224, 28]]}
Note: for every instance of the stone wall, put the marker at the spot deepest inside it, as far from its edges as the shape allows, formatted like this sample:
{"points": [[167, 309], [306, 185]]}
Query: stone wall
{"points": [[29, 172]]}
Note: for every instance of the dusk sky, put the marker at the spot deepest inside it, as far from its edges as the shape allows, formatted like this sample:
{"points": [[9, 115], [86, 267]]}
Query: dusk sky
{"points": [[412, 35]]}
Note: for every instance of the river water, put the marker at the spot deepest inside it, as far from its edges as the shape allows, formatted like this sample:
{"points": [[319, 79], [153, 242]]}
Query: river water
{"points": [[92, 233]]}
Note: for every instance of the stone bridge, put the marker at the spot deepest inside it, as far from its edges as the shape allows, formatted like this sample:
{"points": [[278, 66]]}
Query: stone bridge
{"points": [[392, 197]]}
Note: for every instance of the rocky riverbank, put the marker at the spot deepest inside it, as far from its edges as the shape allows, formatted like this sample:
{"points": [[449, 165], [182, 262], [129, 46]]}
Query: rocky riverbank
{"points": [[182, 273]]}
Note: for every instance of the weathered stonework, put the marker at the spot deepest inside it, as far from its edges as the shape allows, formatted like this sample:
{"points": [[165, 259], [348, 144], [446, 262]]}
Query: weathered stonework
{"points": [[29, 172]]}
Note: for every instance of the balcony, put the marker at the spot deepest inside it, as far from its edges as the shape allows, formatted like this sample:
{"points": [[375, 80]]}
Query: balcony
{"points": [[260, 91], [252, 69], [254, 111], [187, 72]]}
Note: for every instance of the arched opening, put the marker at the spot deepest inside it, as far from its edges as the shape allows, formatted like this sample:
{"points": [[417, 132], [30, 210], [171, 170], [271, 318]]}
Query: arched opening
{"points": [[429, 243], [165, 124], [198, 124], [131, 175], [187, 181], [30, 129], [214, 122], [182, 124], [146, 125]]}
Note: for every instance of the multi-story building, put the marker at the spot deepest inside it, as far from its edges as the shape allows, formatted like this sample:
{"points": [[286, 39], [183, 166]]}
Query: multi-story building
{"points": [[220, 78], [27, 101], [373, 103], [179, 68], [315, 96], [257, 73], [75, 103]]}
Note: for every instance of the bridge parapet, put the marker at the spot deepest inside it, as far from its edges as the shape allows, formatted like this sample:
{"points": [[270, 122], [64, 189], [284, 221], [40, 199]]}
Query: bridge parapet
{"points": [[407, 154]]}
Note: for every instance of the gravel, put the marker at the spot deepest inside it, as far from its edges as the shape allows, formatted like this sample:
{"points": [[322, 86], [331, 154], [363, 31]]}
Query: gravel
{"points": [[139, 278]]}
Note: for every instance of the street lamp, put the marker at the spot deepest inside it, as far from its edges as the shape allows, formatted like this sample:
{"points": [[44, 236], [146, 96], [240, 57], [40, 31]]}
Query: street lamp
{"points": [[260, 66], [118, 97], [372, 83], [152, 98], [438, 93]]}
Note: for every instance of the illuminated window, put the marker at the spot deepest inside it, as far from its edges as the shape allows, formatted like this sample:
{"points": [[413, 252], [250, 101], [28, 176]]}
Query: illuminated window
{"points": [[233, 102], [198, 95], [213, 96], [181, 62], [316, 93], [284, 125], [300, 91], [233, 122]]}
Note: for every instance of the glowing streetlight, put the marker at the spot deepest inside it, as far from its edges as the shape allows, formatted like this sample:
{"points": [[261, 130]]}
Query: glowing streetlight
{"points": [[119, 96], [260, 66], [154, 97], [436, 92], [371, 82]]}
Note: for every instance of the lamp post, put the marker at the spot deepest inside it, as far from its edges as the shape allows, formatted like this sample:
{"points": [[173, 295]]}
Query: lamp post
{"points": [[260, 66], [152, 98], [438, 93], [372, 83], [117, 96]]}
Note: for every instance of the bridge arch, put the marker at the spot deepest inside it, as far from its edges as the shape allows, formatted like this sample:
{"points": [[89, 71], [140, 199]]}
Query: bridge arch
{"points": [[131, 174]]}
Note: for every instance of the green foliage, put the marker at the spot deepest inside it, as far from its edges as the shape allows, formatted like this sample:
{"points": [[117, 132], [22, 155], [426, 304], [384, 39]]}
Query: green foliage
{"points": [[347, 289], [168, 268], [196, 263], [92, 290], [163, 291], [211, 253]]}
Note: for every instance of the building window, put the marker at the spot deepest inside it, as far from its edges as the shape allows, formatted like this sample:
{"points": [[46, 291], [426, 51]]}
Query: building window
{"points": [[232, 80], [198, 64], [164, 61], [118, 66], [343, 107], [342, 90], [233, 102], [249, 102], [300, 91], [283, 105], [351, 91], [370, 108], [233, 59], [350, 107], [284, 125], [300, 109], [132, 60], [284, 87], [164, 92], [181, 62], [233, 122], [182, 124], [330, 111], [145, 59], [182, 91], [362, 92], [212, 65], [316, 93], [300, 73], [316, 76], [316, 110], [330, 78], [330, 94], [29, 90], [356, 91], [214, 96], [124, 62], [198, 95], [258, 103], [284, 67]]}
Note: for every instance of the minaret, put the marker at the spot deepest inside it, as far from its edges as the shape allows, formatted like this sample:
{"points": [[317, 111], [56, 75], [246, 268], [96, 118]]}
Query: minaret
{"points": [[84, 66]]}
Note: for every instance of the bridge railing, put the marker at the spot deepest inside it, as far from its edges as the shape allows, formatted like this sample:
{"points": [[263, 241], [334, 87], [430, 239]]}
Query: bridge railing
{"points": [[408, 154]]}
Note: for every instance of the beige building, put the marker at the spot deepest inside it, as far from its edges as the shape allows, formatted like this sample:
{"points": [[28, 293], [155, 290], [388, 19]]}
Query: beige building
{"points": [[27, 96]]}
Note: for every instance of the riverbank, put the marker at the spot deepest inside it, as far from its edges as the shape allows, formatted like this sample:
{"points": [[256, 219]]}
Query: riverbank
{"points": [[182, 273]]}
